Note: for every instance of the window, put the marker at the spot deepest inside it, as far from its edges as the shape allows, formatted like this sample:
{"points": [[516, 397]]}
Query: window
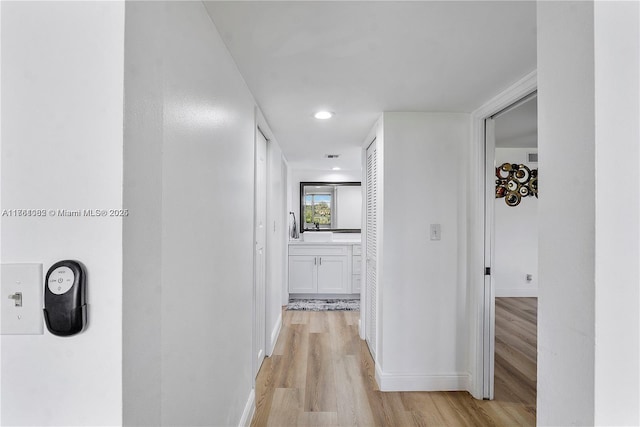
{"points": [[317, 210]]}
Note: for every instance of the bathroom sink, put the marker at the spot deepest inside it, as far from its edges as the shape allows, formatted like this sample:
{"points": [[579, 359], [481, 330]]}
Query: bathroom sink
{"points": [[317, 236]]}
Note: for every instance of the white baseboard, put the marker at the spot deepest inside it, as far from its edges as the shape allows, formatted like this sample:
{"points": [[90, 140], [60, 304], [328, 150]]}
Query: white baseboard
{"points": [[471, 387], [249, 409], [421, 382], [516, 292], [274, 334], [378, 374]]}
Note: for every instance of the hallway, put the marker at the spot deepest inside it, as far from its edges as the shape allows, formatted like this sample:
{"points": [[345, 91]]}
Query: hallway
{"points": [[321, 373]]}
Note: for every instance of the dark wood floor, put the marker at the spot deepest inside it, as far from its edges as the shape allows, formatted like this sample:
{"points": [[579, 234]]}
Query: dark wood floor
{"points": [[321, 374]]}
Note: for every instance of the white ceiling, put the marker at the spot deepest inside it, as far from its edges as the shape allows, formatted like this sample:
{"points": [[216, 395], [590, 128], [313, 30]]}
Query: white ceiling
{"points": [[361, 58], [518, 128]]}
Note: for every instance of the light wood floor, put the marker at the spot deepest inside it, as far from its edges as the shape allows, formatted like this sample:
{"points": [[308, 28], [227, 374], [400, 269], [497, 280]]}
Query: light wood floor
{"points": [[321, 374], [516, 351]]}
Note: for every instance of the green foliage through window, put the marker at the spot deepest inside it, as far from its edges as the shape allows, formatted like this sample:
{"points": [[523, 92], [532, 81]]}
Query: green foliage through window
{"points": [[317, 209]]}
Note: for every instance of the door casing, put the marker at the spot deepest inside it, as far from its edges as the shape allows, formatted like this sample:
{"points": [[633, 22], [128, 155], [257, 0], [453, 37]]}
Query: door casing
{"points": [[480, 289], [260, 248]]}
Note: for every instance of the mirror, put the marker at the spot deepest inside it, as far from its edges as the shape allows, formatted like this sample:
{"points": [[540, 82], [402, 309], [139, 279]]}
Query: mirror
{"points": [[330, 206]]}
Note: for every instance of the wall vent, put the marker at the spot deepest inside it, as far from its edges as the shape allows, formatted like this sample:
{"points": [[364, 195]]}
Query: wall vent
{"points": [[532, 157], [332, 156]]}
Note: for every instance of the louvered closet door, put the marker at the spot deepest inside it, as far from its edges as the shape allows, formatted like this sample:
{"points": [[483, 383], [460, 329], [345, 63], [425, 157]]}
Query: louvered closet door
{"points": [[371, 248]]}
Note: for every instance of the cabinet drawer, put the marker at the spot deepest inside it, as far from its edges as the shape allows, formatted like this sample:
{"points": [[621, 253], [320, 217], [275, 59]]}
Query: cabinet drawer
{"points": [[317, 250], [357, 264], [357, 249], [355, 284]]}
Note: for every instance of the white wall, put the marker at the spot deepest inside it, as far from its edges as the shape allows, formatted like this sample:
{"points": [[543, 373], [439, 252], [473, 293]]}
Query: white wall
{"points": [[62, 68], [191, 110], [516, 236], [142, 231], [617, 268], [566, 289], [422, 282], [349, 205], [588, 66]]}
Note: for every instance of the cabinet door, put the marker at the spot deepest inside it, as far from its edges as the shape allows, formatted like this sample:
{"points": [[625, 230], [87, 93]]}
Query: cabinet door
{"points": [[333, 275], [302, 274]]}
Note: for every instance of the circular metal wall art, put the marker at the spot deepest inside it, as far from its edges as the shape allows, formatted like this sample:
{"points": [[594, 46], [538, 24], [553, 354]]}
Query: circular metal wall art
{"points": [[515, 181]]}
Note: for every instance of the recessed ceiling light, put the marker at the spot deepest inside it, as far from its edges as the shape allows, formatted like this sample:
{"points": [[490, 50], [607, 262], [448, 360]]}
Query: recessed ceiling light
{"points": [[336, 168], [323, 115]]}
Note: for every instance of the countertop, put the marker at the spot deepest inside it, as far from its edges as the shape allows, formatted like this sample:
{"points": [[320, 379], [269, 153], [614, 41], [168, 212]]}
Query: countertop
{"points": [[334, 243]]}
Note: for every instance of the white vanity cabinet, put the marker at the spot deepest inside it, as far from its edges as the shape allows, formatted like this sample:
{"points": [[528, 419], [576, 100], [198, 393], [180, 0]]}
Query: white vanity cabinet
{"points": [[320, 269]]}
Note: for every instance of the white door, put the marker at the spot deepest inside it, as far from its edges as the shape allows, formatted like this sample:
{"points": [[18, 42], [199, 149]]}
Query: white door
{"points": [[371, 283], [260, 249], [489, 295], [333, 274]]}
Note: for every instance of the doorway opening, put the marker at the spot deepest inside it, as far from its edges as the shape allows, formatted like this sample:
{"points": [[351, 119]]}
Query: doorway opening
{"points": [[511, 251]]}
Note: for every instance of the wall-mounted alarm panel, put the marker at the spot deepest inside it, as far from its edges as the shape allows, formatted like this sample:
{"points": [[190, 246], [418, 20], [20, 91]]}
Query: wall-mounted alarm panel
{"points": [[65, 294]]}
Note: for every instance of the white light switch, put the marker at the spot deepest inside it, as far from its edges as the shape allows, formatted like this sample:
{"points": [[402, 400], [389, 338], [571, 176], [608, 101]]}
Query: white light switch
{"points": [[434, 231], [21, 299]]}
